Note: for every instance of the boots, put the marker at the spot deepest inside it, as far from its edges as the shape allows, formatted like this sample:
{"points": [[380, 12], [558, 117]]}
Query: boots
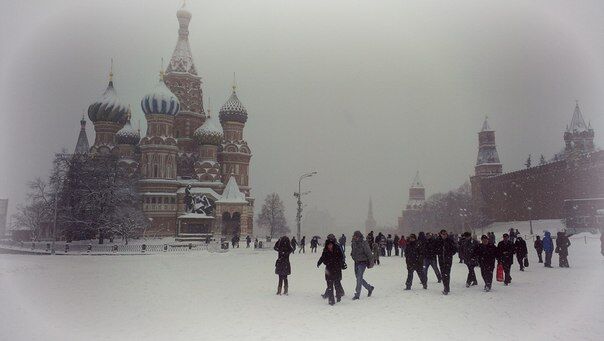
{"points": [[279, 289]]}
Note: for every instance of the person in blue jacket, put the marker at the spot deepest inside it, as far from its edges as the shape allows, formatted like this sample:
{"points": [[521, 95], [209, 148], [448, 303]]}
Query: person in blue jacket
{"points": [[548, 247]]}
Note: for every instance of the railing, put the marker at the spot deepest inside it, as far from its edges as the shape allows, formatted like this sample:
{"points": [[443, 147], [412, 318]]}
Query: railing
{"points": [[95, 249]]}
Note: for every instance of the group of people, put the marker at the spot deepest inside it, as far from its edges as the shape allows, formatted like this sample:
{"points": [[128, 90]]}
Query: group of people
{"points": [[421, 252]]}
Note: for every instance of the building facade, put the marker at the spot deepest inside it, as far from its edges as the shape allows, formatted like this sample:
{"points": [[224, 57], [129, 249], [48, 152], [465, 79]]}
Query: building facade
{"points": [[193, 167], [538, 192], [411, 216]]}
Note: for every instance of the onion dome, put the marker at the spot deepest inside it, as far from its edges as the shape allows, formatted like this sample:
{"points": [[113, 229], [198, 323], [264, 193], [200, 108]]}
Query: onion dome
{"points": [[233, 110], [209, 133], [108, 107], [160, 101], [127, 135], [183, 12]]}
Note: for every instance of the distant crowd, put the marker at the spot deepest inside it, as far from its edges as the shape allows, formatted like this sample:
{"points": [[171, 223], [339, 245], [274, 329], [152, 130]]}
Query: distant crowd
{"points": [[421, 252]]}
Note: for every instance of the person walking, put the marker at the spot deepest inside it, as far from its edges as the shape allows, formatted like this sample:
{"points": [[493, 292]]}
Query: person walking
{"points": [[333, 260], [342, 242], [338, 281], [414, 261], [302, 245], [402, 243], [446, 248], [562, 244], [294, 244], [313, 244], [521, 251], [492, 238], [389, 245], [469, 245], [505, 250], [248, 240], [282, 266], [538, 245], [486, 253], [363, 259], [428, 249], [376, 252], [548, 247], [370, 239], [395, 242]]}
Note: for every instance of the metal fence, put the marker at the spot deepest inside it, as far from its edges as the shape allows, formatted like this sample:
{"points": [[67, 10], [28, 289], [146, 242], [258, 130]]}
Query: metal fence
{"points": [[96, 249]]}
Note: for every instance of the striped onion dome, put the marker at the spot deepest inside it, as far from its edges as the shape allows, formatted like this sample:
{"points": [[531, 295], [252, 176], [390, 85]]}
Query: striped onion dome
{"points": [[108, 108], [127, 135], [160, 101], [233, 110], [209, 133]]}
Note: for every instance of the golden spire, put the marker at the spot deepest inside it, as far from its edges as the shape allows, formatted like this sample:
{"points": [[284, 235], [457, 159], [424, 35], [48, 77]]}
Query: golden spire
{"points": [[111, 71], [161, 70]]}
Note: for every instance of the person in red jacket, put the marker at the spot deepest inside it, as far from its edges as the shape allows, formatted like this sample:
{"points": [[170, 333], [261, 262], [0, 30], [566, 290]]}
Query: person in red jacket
{"points": [[402, 243]]}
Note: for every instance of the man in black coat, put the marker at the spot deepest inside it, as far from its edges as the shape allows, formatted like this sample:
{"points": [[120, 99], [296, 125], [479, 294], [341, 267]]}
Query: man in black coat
{"points": [[333, 258], [342, 242], [467, 247], [446, 249], [562, 244], [486, 253], [396, 241], [521, 251], [505, 251], [427, 247], [414, 260], [539, 248]]}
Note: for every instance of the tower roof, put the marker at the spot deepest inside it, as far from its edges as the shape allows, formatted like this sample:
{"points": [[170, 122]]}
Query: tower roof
{"points": [[577, 123], [182, 58], [233, 109], [82, 146], [127, 135], [417, 182], [108, 107], [232, 194], [160, 101]]}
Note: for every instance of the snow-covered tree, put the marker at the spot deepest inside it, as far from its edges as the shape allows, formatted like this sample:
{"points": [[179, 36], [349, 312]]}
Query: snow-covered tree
{"points": [[273, 216], [36, 213]]}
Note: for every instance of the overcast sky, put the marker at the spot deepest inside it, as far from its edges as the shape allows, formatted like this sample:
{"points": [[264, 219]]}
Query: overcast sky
{"points": [[364, 92]]}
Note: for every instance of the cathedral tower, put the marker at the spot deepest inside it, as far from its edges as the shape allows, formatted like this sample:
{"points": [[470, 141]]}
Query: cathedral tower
{"points": [[417, 194], [487, 162], [82, 146], [370, 221], [235, 155], [108, 114], [182, 79], [578, 137]]}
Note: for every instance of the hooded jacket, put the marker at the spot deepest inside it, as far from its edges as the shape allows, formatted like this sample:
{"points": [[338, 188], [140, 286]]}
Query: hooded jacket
{"points": [[548, 244]]}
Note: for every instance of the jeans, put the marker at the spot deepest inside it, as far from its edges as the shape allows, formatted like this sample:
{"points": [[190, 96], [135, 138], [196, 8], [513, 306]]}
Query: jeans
{"points": [[431, 262], [420, 274], [396, 250], [402, 252], [520, 259], [471, 274], [540, 257], [445, 273], [339, 290], [359, 270], [302, 248], [548, 258], [506, 270], [487, 274]]}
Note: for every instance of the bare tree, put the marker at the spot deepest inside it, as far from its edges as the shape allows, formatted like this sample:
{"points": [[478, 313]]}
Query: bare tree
{"points": [[273, 215], [36, 213]]}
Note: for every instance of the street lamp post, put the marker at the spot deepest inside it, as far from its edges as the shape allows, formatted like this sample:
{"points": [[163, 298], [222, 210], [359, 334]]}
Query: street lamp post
{"points": [[299, 195], [530, 219]]}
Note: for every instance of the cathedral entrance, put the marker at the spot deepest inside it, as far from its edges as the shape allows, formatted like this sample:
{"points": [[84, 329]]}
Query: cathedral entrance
{"points": [[231, 224]]}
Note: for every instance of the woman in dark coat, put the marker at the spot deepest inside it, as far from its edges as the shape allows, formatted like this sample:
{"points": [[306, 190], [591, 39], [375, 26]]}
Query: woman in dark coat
{"points": [[282, 267], [333, 259], [562, 244]]}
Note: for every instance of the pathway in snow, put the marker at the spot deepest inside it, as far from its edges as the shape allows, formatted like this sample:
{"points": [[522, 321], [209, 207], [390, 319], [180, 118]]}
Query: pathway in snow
{"points": [[208, 296]]}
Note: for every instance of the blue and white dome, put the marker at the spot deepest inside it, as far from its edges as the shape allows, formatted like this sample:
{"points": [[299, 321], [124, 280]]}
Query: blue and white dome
{"points": [[161, 101], [108, 108], [127, 135], [209, 133]]}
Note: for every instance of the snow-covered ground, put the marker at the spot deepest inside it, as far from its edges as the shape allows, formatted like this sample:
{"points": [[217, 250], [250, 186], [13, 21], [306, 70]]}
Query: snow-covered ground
{"points": [[231, 296]]}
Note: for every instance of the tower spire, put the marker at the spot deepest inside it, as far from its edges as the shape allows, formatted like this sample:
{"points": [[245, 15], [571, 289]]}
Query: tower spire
{"points": [[111, 71], [82, 146]]}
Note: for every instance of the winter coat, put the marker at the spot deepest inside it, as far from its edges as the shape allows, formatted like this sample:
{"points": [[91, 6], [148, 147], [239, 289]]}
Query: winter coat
{"points": [[402, 242], [505, 251], [396, 240], [429, 247], [548, 244], [370, 239], [538, 245], [282, 266], [445, 248], [360, 251], [342, 240], [562, 244], [389, 243], [520, 247], [486, 255], [303, 241], [376, 252], [468, 246], [333, 260], [413, 256]]}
